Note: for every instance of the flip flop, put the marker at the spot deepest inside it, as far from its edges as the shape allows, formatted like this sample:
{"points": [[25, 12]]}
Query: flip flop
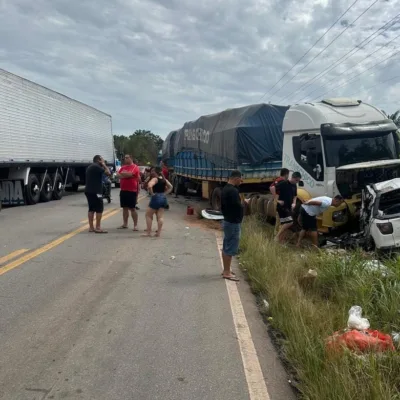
{"points": [[231, 278], [91, 231], [135, 230], [122, 227], [101, 231], [232, 273]]}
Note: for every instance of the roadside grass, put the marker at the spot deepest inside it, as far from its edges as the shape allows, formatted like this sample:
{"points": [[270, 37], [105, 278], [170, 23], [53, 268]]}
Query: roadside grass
{"points": [[307, 312]]}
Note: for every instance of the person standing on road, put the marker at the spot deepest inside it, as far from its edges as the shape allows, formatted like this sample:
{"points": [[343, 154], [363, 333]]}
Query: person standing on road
{"points": [[309, 212], [129, 177], [158, 187], [165, 173], [94, 192], [232, 210], [135, 161], [286, 197]]}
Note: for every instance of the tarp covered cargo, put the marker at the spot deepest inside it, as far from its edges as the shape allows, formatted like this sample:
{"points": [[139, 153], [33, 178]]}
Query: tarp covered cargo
{"points": [[245, 135]]}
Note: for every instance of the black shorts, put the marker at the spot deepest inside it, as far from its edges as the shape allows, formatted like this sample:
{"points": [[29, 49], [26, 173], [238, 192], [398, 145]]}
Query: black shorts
{"points": [[308, 222], [285, 214], [127, 199], [95, 203]]}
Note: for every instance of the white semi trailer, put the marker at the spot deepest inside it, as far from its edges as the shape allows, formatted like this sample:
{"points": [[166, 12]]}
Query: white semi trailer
{"points": [[47, 140]]}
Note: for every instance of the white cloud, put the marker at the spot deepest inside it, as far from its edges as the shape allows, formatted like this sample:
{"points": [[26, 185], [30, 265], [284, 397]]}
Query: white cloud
{"points": [[156, 64]]}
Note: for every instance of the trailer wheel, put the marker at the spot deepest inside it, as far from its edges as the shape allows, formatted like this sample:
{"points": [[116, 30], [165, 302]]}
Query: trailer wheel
{"points": [[32, 190], [260, 207], [253, 204], [46, 193], [179, 188], [216, 199], [271, 211], [58, 189]]}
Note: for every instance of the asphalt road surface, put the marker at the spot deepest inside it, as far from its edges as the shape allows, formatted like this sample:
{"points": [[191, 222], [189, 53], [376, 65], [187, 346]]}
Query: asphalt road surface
{"points": [[119, 316]]}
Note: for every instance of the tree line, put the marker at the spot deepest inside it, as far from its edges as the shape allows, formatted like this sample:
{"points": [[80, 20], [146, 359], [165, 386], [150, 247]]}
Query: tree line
{"points": [[142, 144]]}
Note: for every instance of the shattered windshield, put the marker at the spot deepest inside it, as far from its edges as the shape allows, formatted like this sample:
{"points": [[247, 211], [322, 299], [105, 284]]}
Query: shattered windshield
{"points": [[343, 150], [389, 203]]}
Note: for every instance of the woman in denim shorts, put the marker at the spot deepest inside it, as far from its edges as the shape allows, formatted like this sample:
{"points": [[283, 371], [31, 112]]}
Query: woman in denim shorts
{"points": [[158, 187]]}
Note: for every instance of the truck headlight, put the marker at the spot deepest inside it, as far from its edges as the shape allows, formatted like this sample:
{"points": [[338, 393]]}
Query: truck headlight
{"points": [[385, 228], [339, 216]]}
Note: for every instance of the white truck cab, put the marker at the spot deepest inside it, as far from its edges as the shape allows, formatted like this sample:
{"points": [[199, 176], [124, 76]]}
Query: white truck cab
{"points": [[339, 145]]}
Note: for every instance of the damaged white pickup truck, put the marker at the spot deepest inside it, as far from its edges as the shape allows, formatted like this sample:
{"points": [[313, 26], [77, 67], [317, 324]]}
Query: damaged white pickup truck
{"points": [[380, 215], [379, 220]]}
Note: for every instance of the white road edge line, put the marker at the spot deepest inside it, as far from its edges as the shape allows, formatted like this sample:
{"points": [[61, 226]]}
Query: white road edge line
{"points": [[252, 369]]}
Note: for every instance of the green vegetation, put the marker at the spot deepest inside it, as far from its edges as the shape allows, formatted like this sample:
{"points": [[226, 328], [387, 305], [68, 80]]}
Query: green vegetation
{"points": [[307, 311], [143, 145]]}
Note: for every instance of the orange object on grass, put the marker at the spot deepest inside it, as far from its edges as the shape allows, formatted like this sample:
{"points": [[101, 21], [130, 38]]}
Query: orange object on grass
{"points": [[360, 341]]}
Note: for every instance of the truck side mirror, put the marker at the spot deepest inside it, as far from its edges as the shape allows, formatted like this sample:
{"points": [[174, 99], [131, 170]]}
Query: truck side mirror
{"points": [[301, 184]]}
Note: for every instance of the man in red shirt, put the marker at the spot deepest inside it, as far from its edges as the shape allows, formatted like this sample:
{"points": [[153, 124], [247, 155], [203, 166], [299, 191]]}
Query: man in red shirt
{"points": [[165, 170], [129, 180]]}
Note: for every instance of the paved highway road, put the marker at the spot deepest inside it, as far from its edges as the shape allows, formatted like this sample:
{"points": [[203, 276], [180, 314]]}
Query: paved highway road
{"points": [[119, 316]]}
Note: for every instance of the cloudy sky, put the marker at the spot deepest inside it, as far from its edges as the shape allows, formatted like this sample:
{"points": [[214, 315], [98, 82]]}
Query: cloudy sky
{"points": [[154, 64]]}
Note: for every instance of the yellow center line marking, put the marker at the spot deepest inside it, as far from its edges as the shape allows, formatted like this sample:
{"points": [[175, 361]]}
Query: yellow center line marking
{"points": [[47, 247], [252, 369], [12, 255], [52, 244]]}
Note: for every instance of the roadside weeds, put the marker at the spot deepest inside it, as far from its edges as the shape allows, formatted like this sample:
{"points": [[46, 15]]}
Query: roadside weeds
{"points": [[307, 311]]}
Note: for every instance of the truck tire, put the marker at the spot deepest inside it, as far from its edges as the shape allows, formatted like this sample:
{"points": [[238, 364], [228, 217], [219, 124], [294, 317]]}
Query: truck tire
{"points": [[32, 190], [271, 212], [253, 204], [260, 206], [75, 187], [216, 199], [58, 190], [179, 188], [46, 193]]}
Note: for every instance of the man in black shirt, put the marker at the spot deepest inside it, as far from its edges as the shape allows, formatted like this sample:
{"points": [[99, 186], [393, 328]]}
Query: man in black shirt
{"points": [[94, 192], [286, 196], [232, 210]]}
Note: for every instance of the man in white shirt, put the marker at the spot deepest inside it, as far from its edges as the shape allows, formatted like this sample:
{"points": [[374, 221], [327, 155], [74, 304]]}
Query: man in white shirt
{"points": [[309, 212]]}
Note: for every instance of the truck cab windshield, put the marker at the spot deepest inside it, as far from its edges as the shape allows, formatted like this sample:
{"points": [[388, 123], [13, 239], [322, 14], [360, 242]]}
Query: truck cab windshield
{"points": [[345, 150]]}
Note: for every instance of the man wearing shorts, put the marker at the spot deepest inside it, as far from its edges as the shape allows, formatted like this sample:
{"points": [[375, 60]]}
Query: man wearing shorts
{"points": [[309, 212], [232, 210], [129, 180], [286, 197], [94, 192]]}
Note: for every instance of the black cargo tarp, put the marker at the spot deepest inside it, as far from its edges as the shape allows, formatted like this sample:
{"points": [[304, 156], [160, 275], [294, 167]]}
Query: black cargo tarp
{"points": [[245, 135]]}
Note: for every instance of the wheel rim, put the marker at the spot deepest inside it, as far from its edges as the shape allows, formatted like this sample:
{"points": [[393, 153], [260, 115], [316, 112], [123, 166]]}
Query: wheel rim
{"points": [[34, 189]]}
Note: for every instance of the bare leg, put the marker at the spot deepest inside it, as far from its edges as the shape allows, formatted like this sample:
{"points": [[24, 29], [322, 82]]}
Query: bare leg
{"points": [[314, 238], [134, 216], [160, 221], [149, 221], [282, 230], [125, 217], [98, 221], [227, 261], [301, 237], [90, 219]]}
